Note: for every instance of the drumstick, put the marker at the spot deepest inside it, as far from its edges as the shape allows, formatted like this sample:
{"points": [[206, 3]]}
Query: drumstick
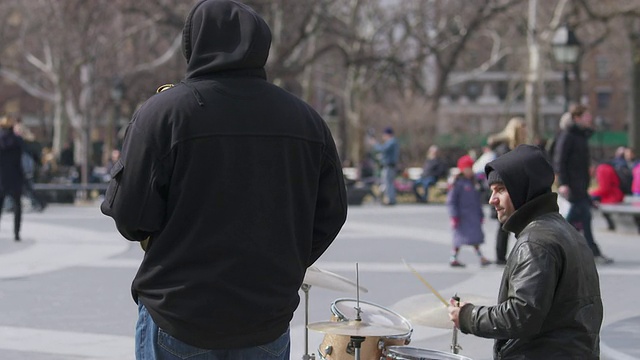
{"points": [[434, 291]]}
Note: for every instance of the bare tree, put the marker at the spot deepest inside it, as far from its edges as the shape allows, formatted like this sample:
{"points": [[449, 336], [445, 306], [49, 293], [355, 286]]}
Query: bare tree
{"points": [[66, 52]]}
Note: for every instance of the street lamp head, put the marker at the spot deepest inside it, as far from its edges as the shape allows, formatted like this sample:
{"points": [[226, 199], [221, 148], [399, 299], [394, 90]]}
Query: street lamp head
{"points": [[566, 46]]}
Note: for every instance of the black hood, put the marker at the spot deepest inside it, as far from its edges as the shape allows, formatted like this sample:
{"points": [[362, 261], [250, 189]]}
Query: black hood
{"points": [[223, 35], [525, 172]]}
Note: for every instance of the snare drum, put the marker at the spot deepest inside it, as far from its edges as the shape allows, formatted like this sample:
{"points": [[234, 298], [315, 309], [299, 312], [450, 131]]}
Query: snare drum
{"points": [[412, 353], [338, 347]]}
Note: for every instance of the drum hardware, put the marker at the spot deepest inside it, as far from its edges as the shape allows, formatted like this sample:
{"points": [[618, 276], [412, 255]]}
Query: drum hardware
{"points": [[455, 348], [413, 353], [306, 356], [323, 279], [358, 309], [328, 280], [357, 330], [339, 347]]}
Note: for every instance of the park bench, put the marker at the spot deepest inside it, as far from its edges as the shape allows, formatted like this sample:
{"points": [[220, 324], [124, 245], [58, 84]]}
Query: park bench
{"points": [[442, 186], [67, 192], [629, 207]]}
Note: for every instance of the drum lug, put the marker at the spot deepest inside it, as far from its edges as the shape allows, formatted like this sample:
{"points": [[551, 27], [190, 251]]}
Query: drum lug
{"points": [[380, 344], [351, 350], [328, 350]]}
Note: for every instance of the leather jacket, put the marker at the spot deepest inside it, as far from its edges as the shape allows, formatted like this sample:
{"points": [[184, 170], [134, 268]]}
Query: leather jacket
{"points": [[549, 304]]}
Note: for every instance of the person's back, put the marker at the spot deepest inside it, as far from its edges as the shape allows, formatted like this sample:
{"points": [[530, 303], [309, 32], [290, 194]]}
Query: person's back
{"points": [[608, 190], [238, 184], [242, 196]]}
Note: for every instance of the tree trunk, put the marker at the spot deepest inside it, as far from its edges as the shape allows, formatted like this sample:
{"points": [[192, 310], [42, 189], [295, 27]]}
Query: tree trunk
{"points": [[634, 118], [531, 90]]}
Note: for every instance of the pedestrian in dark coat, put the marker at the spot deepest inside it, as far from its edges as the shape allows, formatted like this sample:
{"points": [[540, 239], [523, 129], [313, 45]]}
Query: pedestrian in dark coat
{"points": [[572, 163], [514, 134], [465, 210], [11, 172]]}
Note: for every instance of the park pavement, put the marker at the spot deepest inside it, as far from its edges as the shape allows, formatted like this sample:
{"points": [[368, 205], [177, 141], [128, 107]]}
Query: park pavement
{"points": [[64, 292]]}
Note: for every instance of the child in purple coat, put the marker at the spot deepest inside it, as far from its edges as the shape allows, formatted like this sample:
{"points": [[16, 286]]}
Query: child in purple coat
{"points": [[465, 210]]}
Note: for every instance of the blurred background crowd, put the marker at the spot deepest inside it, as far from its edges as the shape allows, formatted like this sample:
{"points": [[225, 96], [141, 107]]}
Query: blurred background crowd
{"points": [[443, 74]]}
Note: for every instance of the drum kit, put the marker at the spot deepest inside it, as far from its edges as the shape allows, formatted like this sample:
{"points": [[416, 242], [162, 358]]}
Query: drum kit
{"points": [[361, 330]]}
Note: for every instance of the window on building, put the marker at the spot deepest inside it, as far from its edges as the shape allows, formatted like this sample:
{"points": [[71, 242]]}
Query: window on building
{"points": [[454, 92], [602, 67], [502, 89], [603, 99], [473, 90]]}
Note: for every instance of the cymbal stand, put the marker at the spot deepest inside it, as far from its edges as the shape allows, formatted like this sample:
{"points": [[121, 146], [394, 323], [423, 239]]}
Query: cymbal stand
{"points": [[357, 308], [357, 342], [306, 356]]}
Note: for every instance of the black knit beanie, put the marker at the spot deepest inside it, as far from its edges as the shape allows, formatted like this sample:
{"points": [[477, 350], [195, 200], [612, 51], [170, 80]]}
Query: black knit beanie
{"points": [[493, 178]]}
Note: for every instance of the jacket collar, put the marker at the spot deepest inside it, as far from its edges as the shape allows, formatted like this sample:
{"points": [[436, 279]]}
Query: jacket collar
{"points": [[581, 130], [543, 204]]}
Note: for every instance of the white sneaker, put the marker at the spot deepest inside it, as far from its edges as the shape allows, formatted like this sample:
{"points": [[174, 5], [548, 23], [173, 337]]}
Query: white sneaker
{"points": [[603, 260]]}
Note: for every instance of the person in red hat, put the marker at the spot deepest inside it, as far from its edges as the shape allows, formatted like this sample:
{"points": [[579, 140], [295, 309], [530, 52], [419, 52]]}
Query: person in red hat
{"points": [[465, 209]]}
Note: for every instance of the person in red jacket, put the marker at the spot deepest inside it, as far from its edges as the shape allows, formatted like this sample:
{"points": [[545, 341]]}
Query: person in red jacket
{"points": [[608, 190]]}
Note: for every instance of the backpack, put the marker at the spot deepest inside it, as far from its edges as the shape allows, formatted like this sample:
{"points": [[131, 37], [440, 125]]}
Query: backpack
{"points": [[626, 178]]}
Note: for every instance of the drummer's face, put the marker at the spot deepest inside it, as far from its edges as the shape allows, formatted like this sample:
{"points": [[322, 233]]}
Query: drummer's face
{"points": [[501, 201]]}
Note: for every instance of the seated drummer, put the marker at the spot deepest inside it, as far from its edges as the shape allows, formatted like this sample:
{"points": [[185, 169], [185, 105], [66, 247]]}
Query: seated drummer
{"points": [[549, 304]]}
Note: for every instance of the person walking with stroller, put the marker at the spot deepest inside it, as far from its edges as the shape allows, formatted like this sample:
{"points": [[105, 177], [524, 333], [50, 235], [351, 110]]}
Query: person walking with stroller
{"points": [[465, 210]]}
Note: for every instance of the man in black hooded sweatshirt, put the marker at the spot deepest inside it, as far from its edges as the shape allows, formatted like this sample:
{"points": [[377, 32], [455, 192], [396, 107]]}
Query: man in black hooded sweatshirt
{"points": [[235, 187], [549, 304]]}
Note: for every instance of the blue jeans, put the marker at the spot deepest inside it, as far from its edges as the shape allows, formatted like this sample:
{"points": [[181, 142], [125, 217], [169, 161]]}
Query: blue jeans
{"points": [[580, 217], [388, 177], [152, 343], [425, 183]]}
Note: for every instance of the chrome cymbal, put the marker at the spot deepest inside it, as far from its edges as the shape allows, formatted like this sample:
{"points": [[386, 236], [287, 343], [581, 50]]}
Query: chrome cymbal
{"points": [[328, 280], [428, 310], [356, 328]]}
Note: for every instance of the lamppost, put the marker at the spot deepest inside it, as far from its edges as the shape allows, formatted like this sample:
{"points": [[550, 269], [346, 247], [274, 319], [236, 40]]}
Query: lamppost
{"points": [[566, 48]]}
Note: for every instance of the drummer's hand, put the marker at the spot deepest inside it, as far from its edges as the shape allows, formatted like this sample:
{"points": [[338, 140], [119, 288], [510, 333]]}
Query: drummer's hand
{"points": [[454, 311]]}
